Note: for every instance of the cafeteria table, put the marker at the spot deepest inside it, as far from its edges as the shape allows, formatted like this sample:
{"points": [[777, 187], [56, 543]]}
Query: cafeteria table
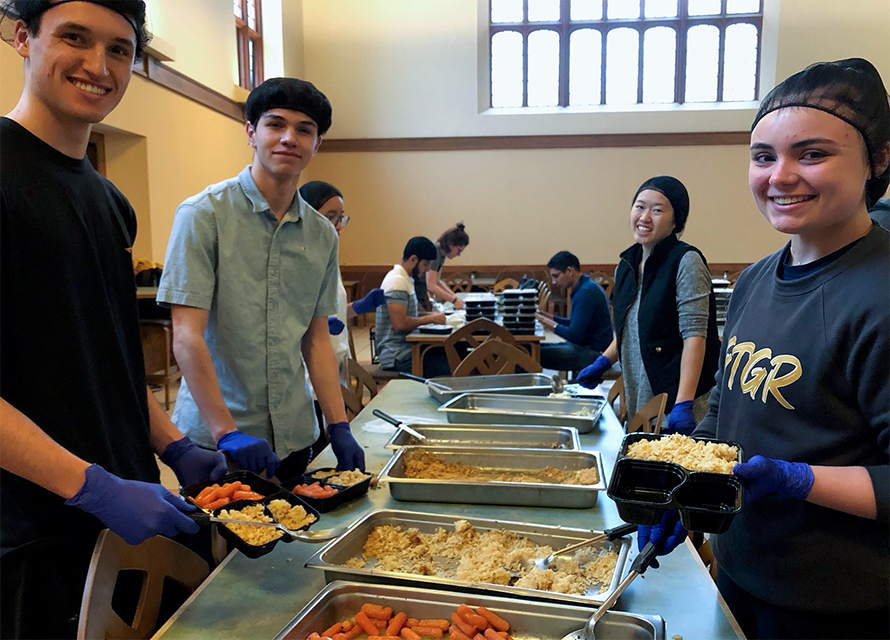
{"points": [[246, 598]]}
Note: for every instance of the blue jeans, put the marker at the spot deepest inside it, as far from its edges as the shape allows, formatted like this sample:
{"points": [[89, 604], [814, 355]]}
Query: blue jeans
{"points": [[567, 356]]}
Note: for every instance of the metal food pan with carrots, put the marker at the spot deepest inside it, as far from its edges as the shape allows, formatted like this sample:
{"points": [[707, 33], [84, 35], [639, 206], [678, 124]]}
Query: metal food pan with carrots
{"points": [[340, 601]]}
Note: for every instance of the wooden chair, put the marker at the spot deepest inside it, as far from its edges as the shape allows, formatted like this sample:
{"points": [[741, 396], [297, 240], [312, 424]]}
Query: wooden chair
{"points": [[351, 343], [648, 418], [617, 391], [604, 280], [459, 283], [159, 559], [732, 277], [545, 299], [495, 357], [506, 283], [708, 559], [474, 334], [360, 380], [157, 350]]}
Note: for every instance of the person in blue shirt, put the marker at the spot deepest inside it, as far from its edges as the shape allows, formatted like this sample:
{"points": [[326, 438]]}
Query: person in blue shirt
{"points": [[251, 275], [588, 330]]}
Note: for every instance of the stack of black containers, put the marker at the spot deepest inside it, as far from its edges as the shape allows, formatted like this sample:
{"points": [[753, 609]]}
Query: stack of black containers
{"points": [[519, 310]]}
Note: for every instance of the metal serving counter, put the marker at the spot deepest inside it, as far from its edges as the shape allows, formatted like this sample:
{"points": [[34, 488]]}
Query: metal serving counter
{"points": [[247, 598]]}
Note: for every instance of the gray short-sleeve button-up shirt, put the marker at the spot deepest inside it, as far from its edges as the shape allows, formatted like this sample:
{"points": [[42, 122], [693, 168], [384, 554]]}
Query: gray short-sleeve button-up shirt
{"points": [[263, 283]]}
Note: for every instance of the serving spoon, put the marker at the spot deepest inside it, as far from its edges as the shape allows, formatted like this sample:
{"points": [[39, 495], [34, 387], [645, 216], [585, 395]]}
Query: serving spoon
{"points": [[608, 534]]}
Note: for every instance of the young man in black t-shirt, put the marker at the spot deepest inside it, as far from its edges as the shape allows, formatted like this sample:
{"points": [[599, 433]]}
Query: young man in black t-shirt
{"points": [[78, 425]]}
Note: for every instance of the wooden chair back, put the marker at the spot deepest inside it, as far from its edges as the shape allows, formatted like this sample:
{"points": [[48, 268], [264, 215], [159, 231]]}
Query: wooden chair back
{"points": [[158, 558], [604, 280], [506, 283], [351, 342], [495, 357], [617, 391], [708, 559], [459, 283], [545, 299], [648, 418], [157, 351], [359, 380], [474, 334]]}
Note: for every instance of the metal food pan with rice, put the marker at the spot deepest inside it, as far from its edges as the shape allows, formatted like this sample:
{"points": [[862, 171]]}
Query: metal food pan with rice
{"points": [[643, 489], [495, 435], [491, 408], [445, 388], [341, 599], [497, 462], [332, 558]]}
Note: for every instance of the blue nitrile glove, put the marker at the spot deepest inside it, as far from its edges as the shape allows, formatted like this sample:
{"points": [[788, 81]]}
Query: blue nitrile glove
{"points": [[335, 326], [762, 476], [249, 453], [592, 374], [134, 510], [350, 454], [192, 464], [681, 419], [666, 535], [370, 302]]}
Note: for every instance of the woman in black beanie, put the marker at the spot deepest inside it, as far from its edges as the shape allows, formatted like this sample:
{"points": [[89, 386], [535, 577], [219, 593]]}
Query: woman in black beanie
{"points": [[663, 304]]}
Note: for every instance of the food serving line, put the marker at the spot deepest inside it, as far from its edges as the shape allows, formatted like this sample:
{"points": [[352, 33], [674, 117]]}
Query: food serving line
{"points": [[246, 598]]}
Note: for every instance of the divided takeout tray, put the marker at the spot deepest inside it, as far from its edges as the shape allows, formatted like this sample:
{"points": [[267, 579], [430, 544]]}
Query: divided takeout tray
{"points": [[644, 490], [324, 505]]}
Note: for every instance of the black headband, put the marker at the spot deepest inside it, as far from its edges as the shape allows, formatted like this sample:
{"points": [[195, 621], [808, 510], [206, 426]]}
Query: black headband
{"points": [[107, 5]]}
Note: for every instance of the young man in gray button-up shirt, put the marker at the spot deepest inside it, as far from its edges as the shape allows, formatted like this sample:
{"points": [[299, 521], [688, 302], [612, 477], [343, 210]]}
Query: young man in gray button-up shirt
{"points": [[251, 275]]}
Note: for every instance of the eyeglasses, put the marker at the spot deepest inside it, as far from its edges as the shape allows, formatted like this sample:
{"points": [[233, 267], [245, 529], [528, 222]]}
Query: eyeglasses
{"points": [[339, 221]]}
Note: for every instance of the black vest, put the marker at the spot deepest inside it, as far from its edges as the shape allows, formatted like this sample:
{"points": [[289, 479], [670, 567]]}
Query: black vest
{"points": [[659, 323]]}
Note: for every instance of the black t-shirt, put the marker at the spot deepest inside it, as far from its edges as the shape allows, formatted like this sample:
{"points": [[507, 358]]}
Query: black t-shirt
{"points": [[70, 351]]}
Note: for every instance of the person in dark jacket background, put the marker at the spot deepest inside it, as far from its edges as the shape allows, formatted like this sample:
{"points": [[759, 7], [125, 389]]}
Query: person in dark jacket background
{"points": [[588, 329], [663, 305]]}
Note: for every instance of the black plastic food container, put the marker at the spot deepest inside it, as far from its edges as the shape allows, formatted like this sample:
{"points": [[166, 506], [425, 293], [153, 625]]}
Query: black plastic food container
{"points": [[351, 492], [293, 500], [250, 550], [322, 505], [644, 489], [256, 483]]}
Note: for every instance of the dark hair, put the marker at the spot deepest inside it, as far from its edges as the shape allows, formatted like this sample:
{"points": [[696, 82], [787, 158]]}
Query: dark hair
{"points": [[317, 192], [421, 247], [563, 260], [454, 237], [851, 90], [293, 94], [31, 11], [675, 192]]}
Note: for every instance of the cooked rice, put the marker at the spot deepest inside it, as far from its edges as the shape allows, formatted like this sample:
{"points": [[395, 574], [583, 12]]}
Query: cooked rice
{"points": [[342, 478], [429, 466], [691, 454], [256, 536], [492, 556], [293, 517]]}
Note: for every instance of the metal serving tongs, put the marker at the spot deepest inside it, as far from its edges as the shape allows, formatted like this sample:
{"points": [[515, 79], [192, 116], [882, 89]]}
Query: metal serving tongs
{"points": [[608, 534], [639, 566], [559, 384], [398, 423], [432, 383]]}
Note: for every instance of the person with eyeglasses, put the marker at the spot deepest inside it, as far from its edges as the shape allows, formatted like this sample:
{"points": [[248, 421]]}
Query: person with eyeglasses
{"points": [[328, 201]]}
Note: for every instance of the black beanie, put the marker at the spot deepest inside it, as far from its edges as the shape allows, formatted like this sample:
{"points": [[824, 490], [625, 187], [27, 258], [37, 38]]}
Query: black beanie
{"points": [[675, 192]]}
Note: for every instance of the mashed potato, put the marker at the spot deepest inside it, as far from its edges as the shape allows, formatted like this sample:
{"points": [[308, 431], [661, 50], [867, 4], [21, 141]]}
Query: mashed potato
{"points": [[694, 455], [429, 466], [492, 556]]}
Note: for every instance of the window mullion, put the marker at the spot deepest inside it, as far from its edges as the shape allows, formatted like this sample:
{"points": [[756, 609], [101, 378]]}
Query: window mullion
{"points": [[564, 32], [682, 30], [641, 31]]}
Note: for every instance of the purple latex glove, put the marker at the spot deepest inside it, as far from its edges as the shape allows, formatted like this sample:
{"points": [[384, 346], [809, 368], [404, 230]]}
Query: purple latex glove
{"points": [[134, 510], [762, 476], [592, 374], [192, 464], [335, 326], [370, 302], [249, 453], [350, 454], [681, 419], [666, 535]]}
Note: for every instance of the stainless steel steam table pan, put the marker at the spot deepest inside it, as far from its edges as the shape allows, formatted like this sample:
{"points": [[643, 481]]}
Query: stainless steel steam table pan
{"points": [[340, 600], [520, 494], [492, 408], [532, 384], [332, 558], [494, 435]]}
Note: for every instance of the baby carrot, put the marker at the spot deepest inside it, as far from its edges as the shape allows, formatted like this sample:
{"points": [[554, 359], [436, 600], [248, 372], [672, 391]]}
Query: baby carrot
{"points": [[361, 619], [465, 627], [396, 624], [376, 611], [441, 624], [409, 634], [429, 632], [494, 619], [472, 617], [335, 628], [457, 634]]}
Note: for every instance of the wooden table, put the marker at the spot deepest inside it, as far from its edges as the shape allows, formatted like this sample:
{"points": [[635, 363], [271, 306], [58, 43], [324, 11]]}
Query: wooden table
{"points": [[420, 342], [246, 598], [146, 293]]}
